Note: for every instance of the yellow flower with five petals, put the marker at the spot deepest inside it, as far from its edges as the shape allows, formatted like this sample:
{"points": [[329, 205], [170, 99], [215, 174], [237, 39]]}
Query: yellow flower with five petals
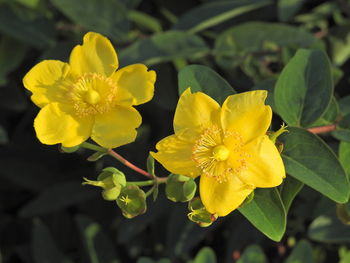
{"points": [[87, 97], [226, 146]]}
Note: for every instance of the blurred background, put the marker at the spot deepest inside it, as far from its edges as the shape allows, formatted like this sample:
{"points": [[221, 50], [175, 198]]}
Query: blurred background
{"points": [[46, 215]]}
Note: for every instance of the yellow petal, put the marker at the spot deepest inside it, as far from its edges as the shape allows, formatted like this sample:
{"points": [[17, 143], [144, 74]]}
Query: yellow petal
{"points": [[222, 198], [247, 114], [45, 80], [195, 112], [117, 127], [135, 84], [96, 55], [175, 155], [55, 124], [265, 167]]}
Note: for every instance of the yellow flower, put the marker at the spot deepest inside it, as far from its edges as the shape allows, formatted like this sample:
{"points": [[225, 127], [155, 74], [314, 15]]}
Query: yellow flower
{"points": [[87, 97], [227, 146]]}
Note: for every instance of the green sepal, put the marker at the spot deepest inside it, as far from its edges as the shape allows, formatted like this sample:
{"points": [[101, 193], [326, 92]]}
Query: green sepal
{"points": [[132, 201], [199, 214], [180, 188], [96, 156], [69, 149]]}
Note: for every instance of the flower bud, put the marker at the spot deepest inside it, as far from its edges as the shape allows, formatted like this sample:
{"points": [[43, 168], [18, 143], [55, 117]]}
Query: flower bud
{"points": [[113, 174], [180, 188], [199, 214], [132, 201], [111, 180]]}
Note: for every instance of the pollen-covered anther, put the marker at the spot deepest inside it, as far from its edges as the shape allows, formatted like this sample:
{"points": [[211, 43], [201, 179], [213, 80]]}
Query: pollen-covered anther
{"points": [[219, 154], [92, 94]]}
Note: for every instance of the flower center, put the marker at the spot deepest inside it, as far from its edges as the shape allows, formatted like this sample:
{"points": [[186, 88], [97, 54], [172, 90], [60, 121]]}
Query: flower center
{"points": [[219, 153], [92, 94]]}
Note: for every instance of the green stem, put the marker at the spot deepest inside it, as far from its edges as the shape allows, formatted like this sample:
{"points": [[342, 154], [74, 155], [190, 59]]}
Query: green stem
{"points": [[93, 147], [141, 183]]}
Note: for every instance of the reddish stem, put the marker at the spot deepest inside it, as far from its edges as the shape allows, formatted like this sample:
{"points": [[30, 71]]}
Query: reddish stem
{"points": [[322, 129], [129, 164]]}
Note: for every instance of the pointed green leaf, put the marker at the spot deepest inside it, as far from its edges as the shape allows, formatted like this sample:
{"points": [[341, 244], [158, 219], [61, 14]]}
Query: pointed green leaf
{"points": [[344, 156], [304, 89], [301, 253], [266, 212], [164, 47], [205, 255], [43, 246], [253, 253], [328, 228], [289, 190], [57, 197], [235, 44], [288, 8], [103, 16], [211, 14], [204, 79], [310, 160], [97, 245]]}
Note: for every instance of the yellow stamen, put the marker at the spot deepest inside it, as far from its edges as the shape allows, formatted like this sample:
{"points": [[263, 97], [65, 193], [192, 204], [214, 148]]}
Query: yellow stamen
{"points": [[212, 151], [125, 199]]}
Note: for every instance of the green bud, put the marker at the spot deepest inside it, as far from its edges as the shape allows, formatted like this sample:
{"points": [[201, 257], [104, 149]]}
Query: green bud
{"points": [[116, 176], [180, 188], [111, 194], [69, 149], [199, 214], [132, 201], [111, 180]]}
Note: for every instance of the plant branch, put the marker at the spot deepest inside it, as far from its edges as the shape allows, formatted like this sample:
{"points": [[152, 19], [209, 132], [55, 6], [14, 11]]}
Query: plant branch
{"points": [[129, 164], [322, 129]]}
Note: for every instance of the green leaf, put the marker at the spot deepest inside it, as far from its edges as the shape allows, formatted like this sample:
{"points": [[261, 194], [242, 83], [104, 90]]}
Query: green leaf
{"points": [[301, 253], [344, 156], [12, 53], [304, 89], [146, 21], [211, 14], [289, 190], [3, 135], [268, 85], [204, 79], [150, 164], [286, 9], [330, 115], [328, 228], [310, 160], [98, 246], [253, 253], [38, 32], [164, 47], [53, 199], [43, 246], [344, 105], [205, 255], [266, 212], [234, 45], [108, 17], [342, 131]]}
